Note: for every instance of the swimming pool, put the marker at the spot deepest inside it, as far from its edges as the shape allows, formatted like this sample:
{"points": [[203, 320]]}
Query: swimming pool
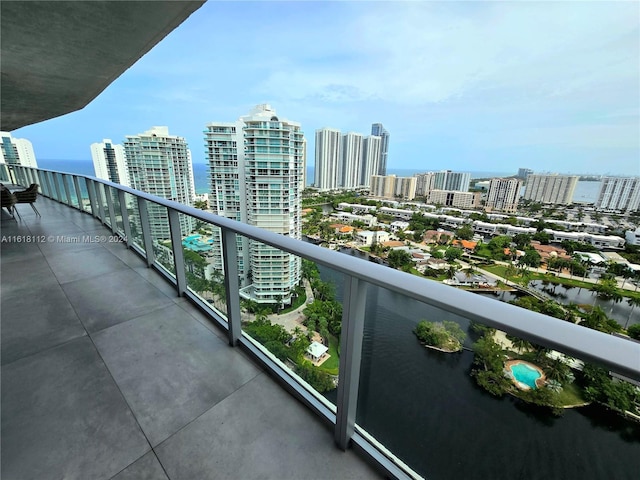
{"points": [[194, 242], [525, 373]]}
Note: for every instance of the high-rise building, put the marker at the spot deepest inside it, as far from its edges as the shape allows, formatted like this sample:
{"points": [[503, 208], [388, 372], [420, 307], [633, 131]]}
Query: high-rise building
{"points": [[448, 180], [370, 159], [255, 172], [109, 162], [345, 161], [619, 193], [424, 183], [383, 186], [523, 173], [160, 164], [349, 169], [379, 131], [17, 151], [452, 198], [328, 157], [504, 194], [442, 180], [393, 187], [227, 187], [555, 189], [405, 188]]}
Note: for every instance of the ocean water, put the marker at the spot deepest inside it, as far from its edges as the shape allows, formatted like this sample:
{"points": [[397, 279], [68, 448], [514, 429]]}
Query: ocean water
{"points": [[586, 192]]}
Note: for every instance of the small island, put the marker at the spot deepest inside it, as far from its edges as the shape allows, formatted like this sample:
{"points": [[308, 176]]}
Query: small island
{"points": [[443, 336]]}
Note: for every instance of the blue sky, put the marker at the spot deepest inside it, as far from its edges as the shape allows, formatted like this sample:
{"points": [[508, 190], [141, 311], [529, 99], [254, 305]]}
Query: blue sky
{"points": [[471, 86]]}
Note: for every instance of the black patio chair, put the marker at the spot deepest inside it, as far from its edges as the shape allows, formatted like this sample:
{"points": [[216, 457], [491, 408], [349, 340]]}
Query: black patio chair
{"points": [[30, 195]]}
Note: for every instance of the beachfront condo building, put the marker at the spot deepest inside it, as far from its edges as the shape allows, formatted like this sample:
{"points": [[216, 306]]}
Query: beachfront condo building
{"points": [[256, 176], [109, 162], [553, 189], [503, 194], [378, 130], [619, 193], [17, 151], [160, 164]]}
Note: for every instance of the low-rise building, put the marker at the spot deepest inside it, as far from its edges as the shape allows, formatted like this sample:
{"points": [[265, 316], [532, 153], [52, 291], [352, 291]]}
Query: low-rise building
{"points": [[633, 236], [368, 237]]}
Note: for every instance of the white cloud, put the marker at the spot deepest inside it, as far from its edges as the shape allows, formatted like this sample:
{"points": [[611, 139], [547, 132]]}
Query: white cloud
{"points": [[417, 53]]}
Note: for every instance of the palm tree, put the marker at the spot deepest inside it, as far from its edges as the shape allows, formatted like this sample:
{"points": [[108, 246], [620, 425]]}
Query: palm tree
{"points": [[633, 302]]}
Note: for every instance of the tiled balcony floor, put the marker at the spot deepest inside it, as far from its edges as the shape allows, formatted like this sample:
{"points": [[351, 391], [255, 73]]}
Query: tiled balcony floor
{"points": [[106, 373]]}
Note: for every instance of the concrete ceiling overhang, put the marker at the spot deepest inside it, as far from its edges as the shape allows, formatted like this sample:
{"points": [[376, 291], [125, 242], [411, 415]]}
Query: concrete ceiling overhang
{"points": [[57, 56]]}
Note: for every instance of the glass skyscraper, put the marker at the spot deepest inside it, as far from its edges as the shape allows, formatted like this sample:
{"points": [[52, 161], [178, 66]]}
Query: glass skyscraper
{"points": [[379, 131]]}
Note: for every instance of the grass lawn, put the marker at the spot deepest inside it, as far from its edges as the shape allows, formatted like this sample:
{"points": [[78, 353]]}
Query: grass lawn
{"points": [[331, 365], [297, 302], [365, 249], [571, 394]]}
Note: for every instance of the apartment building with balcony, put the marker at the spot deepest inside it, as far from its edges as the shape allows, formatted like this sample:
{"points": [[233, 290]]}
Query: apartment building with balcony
{"points": [[160, 164], [453, 198], [503, 195], [619, 193], [553, 189], [16, 151], [109, 162], [255, 176]]}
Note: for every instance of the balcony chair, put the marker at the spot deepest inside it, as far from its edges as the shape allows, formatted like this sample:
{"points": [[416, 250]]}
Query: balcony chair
{"points": [[8, 200], [30, 195]]}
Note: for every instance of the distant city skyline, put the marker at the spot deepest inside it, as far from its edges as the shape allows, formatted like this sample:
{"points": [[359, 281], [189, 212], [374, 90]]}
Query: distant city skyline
{"points": [[466, 86]]}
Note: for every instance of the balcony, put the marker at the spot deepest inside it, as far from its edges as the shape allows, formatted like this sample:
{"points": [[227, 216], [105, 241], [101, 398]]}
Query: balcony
{"points": [[108, 373], [113, 365]]}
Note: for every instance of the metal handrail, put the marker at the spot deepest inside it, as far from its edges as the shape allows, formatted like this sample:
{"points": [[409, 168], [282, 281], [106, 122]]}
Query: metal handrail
{"points": [[618, 354]]}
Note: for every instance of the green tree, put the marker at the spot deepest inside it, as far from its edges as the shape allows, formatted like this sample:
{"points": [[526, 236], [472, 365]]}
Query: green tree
{"points": [[531, 258], [634, 331], [633, 302], [522, 240], [399, 258], [452, 253], [465, 232]]}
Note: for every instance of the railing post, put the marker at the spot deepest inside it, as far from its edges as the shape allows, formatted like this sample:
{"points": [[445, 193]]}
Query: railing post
{"points": [[91, 190], [232, 289], [355, 294], [178, 254], [76, 184], [147, 241], [67, 191], [112, 213], [125, 218]]}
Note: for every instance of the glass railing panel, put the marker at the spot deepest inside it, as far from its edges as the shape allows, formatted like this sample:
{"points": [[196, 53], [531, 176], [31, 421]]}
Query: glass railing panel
{"points": [[292, 309], [202, 251], [58, 187], [160, 236], [4, 173], [51, 188], [115, 203], [68, 181], [422, 400], [103, 191], [42, 181], [134, 220], [84, 195]]}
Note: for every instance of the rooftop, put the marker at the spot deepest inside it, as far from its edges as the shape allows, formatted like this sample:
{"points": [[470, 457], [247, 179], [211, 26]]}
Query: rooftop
{"points": [[107, 373]]}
